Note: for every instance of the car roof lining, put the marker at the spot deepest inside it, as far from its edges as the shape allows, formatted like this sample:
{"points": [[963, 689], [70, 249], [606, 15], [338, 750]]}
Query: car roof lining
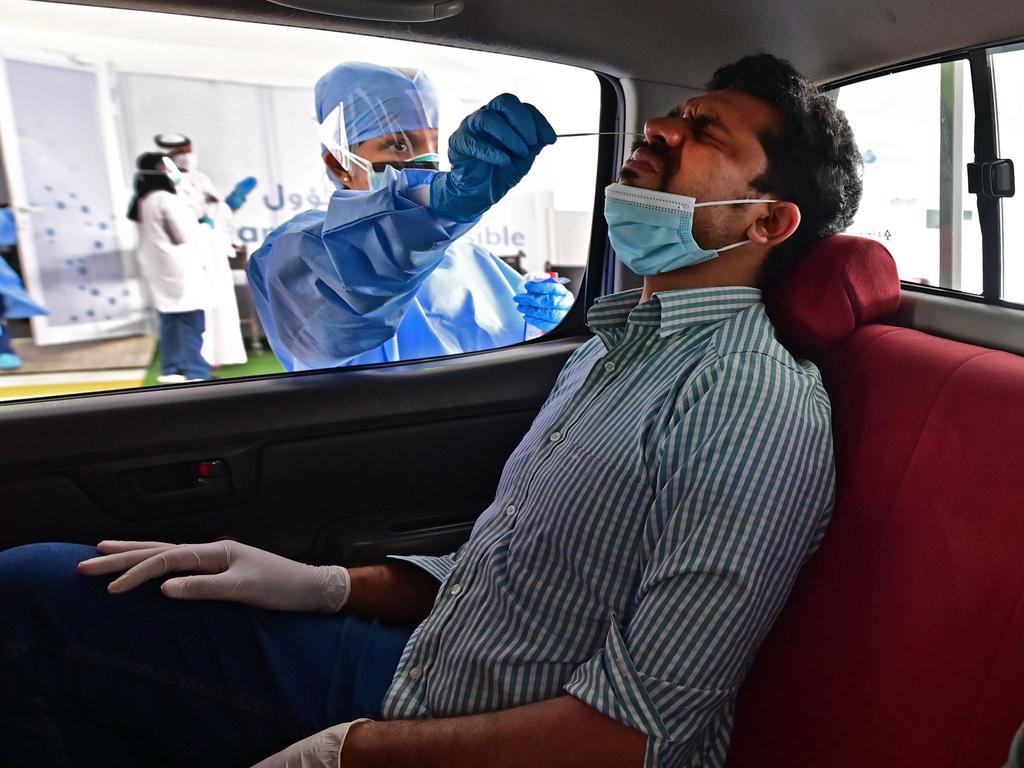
{"points": [[671, 42]]}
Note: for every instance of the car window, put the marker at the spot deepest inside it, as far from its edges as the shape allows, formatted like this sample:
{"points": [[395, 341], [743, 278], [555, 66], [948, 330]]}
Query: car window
{"points": [[915, 131], [83, 93], [1008, 73]]}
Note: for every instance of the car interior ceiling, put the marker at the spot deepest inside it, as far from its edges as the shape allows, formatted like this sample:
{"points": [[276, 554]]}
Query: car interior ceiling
{"points": [[668, 42]]}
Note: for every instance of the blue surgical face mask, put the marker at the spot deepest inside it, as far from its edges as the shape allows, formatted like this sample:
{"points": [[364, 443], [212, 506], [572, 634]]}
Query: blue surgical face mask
{"points": [[377, 179], [652, 231], [429, 161]]}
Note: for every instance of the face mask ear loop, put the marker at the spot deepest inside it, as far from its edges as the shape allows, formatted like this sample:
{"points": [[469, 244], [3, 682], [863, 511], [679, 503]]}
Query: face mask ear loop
{"points": [[745, 201], [725, 248], [362, 162], [329, 182]]}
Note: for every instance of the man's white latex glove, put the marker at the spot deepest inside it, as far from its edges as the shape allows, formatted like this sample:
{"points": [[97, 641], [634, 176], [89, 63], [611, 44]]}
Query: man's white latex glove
{"points": [[321, 750], [227, 571]]}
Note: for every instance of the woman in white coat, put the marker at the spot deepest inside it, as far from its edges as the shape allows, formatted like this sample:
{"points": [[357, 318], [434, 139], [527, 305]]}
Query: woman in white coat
{"points": [[172, 262], [222, 341]]}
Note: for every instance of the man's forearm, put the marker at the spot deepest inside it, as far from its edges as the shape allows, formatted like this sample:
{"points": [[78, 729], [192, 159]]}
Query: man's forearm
{"points": [[561, 732], [391, 591]]}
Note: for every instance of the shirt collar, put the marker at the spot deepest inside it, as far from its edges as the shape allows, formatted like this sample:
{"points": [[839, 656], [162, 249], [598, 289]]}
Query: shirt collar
{"points": [[670, 311]]}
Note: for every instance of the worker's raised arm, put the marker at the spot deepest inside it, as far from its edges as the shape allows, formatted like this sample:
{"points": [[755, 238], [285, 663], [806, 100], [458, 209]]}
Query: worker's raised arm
{"points": [[331, 287]]}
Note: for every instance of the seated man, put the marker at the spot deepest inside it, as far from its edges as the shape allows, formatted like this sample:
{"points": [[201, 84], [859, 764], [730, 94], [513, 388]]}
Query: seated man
{"points": [[644, 535]]}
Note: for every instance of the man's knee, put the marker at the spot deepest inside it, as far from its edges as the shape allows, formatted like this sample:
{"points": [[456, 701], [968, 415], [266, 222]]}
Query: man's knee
{"points": [[34, 563], [34, 573]]}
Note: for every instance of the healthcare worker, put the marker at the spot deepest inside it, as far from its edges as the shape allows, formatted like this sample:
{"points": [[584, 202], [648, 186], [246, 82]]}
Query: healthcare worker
{"points": [[173, 267], [382, 274], [14, 299], [222, 340]]}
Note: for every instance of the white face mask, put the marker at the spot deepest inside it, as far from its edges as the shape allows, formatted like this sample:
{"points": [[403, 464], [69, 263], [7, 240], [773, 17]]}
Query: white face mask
{"points": [[186, 162]]}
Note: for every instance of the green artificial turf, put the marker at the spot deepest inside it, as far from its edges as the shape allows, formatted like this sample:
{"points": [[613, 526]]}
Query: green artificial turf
{"points": [[258, 364]]}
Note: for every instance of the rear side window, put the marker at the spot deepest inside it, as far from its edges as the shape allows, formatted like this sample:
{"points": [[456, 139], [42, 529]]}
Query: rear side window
{"points": [[915, 131], [83, 93], [1008, 73], [941, 145]]}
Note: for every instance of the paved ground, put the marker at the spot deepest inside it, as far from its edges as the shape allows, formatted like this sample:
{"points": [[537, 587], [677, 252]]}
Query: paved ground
{"points": [[129, 352], [63, 369], [67, 369]]}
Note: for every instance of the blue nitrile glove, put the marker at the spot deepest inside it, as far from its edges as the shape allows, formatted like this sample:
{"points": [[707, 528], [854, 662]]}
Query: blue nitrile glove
{"points": [[236, 199], [8, 232], [207, 221], [490, 152], [544, 303]]}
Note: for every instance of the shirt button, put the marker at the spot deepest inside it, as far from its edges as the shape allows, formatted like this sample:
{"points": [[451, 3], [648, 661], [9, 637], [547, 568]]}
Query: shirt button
{"points": [[456, 589], [554, 437], [609, 366], [511, 510], [416, 673]]}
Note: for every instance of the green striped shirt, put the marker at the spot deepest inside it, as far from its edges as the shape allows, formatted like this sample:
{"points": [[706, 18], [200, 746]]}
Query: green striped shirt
{"points": [[645, 532]]}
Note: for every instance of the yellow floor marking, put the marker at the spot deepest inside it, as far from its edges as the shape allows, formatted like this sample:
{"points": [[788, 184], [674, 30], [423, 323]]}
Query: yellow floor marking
{"points": [[47, 390]]}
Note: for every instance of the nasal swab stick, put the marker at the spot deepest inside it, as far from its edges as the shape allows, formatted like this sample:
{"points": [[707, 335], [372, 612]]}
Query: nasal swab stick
{"points": [[599, 133]]}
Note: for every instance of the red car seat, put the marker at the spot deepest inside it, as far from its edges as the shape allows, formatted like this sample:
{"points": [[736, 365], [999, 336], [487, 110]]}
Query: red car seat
{"points": [[902, 643]]}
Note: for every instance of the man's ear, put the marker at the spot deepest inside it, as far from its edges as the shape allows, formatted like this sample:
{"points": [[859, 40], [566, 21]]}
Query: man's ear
{"points": [[335, 169], [777, 225]]}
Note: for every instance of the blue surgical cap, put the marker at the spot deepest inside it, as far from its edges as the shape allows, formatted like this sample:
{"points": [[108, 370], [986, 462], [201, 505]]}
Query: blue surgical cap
{"points": [[378, 100]]}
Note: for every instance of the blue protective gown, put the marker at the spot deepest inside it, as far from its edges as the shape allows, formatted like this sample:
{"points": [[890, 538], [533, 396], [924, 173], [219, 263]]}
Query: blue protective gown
{"points": [[16, 301], [8, 231], [380, 278]]}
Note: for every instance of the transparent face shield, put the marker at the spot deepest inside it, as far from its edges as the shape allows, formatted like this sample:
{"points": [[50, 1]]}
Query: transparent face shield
{"points": [[368, 135], [372, 117]]}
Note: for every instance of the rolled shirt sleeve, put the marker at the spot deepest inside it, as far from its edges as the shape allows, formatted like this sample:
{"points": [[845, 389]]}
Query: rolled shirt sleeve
{"points": [[744, 486], [330, 287], [438, 566]]}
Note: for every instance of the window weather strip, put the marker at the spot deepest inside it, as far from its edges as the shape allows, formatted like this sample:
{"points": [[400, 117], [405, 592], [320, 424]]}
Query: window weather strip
{"points": [[986, 149], [600, 274], [952, 168]]}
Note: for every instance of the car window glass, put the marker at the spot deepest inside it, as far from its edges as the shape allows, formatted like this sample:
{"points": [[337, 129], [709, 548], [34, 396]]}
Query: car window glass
{"points": [[1008, 72], [83, 93], [915, 131]]}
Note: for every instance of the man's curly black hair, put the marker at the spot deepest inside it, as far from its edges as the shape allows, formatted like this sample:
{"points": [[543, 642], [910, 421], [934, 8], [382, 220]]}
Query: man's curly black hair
{"points": [[813, 161]]}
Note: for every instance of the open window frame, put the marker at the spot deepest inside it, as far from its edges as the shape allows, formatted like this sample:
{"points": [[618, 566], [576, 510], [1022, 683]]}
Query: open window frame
{"points": [[986, 150]]}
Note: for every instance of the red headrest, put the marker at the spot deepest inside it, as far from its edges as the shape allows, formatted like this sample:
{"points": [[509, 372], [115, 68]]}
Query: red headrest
{"points": [[842, 283]]}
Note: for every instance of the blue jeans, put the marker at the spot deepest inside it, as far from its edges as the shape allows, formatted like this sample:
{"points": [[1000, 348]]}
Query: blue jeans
{"points": [[138, 679], [5, 336], [181, 342], [5, 340]]}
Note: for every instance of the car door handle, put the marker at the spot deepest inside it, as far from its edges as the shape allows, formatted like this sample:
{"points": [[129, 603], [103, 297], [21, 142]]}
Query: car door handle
{"points": [[179, 484]]}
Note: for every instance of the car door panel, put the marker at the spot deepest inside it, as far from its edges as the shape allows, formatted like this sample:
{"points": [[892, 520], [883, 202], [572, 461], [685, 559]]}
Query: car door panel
{"points": [[356, 463]]}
